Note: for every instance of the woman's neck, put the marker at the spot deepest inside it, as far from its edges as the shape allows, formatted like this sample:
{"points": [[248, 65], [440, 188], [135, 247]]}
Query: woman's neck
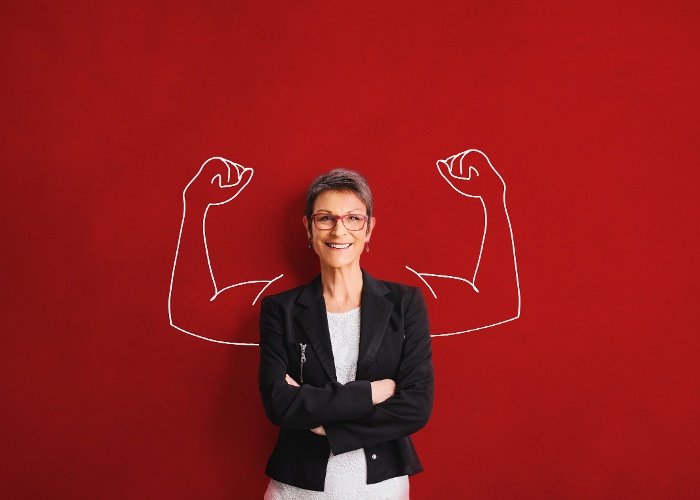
{"points": [[342, 289]]}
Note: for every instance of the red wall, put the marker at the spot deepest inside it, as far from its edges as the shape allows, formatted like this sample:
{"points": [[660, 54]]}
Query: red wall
{"points": [[588, 112]]}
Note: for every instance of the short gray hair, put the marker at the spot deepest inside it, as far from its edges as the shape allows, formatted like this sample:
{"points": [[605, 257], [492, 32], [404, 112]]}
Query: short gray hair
{"points": [[342, 180]]}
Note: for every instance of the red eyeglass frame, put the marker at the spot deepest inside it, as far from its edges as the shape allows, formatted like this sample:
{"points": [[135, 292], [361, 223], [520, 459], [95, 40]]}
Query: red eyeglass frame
{"points": [[365, 218]]}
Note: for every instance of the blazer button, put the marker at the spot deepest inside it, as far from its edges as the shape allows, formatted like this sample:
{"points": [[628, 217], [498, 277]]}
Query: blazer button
{"points": [[374, 457]]}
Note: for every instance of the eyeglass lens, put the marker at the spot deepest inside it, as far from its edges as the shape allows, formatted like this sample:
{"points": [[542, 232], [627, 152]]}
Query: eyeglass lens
{"points": [[351, 222]]}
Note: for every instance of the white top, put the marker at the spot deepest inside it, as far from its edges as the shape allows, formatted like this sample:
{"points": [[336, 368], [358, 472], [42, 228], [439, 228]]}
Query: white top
{"points": [[346, 475]]}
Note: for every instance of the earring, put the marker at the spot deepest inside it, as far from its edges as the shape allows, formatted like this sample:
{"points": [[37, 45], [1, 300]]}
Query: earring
{"points": [[367, 247], [309, 244]]}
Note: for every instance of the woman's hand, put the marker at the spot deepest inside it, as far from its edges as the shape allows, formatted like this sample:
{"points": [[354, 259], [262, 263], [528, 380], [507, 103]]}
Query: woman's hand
{"points": [[317, 430], [382, 390]]}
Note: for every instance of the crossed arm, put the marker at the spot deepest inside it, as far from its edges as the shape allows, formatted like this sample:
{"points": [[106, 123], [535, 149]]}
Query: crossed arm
{"points": [[359, 413]]}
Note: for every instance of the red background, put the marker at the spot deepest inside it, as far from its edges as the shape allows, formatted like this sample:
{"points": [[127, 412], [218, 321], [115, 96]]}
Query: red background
{"points": [[589, 112]]}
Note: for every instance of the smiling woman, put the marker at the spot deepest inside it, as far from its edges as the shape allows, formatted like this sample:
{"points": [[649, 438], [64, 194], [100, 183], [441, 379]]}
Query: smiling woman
{"points": [[339, 239], [345, 362]]}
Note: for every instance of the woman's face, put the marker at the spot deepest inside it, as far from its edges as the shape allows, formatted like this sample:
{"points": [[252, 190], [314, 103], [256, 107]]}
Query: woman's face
{"points": [[339, 247]]}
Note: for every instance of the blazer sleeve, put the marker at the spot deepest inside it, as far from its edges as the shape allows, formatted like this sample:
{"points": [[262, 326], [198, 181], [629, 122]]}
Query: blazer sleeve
{"points": [[409, 409], [304, 407]]}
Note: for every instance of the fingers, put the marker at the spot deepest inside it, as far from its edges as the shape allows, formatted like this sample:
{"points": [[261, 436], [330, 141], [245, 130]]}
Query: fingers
{"points": [[225, 173], [456, 164], [465, 165], [236, 175], [217, 168], [475, 162], [244, 177], [382, 390], [290, 380], [466, 172], [240, 173], [444, 168], [462, 165]]}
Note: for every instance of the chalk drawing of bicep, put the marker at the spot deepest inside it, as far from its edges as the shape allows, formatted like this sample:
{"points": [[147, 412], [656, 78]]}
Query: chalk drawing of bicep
{"points": [[217, 182], [471, 174]]}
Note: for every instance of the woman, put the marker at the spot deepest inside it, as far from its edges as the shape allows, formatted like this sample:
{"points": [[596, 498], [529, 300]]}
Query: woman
{"points": [[345, 362]]}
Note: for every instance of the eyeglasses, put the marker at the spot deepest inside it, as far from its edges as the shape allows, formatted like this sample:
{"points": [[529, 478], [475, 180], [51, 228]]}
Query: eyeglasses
{"points": [[352, 222]]}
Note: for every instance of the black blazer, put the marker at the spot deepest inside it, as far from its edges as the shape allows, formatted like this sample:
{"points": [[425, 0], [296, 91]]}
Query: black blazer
{"points": [[394, 343]]}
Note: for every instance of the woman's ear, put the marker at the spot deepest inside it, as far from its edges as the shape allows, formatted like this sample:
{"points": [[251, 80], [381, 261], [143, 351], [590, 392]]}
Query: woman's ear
{"points": [[306, 226], [370, 226]]}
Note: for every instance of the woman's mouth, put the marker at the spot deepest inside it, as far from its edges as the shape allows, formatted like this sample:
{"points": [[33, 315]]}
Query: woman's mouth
{"points": [[338, 246]]}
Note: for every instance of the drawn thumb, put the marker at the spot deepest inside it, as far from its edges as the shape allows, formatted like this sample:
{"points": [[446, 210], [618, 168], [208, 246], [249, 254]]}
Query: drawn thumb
{"points": [[444, 169], [244, 176]]}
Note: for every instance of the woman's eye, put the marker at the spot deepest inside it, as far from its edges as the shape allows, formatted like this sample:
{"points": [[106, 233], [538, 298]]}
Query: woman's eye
{"points": [[324, 218], [354, 218]]}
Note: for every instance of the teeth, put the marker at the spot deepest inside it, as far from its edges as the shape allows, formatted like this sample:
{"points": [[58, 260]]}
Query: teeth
{"points": [[336, 245]]}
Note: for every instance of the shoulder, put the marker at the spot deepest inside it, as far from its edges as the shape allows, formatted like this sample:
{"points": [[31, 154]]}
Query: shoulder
{"points": [[395, 292], [400, 290], [299, 297], [286, 295], [409, 308], [283, 299]]}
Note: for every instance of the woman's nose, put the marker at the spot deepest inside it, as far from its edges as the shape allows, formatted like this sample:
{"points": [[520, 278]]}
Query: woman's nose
{"points": [[339, 227]]}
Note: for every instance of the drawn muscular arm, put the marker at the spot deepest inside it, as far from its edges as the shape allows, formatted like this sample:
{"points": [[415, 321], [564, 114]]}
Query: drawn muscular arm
{"points": [[491, 285], [194, 304]]}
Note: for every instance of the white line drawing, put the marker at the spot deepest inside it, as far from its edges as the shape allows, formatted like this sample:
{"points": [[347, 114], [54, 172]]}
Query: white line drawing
{"points": [[209, 182], [249, 283], [420, 275], [452, 170], [228, 192]]}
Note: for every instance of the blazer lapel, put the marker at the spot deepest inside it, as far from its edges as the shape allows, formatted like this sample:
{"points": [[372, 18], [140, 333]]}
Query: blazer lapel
{"points": [[374, 319], [314, 322]]}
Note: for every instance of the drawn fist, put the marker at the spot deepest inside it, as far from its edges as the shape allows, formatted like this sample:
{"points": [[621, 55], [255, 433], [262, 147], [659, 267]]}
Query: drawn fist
{"points": [[470, 173], [218, 181]]}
